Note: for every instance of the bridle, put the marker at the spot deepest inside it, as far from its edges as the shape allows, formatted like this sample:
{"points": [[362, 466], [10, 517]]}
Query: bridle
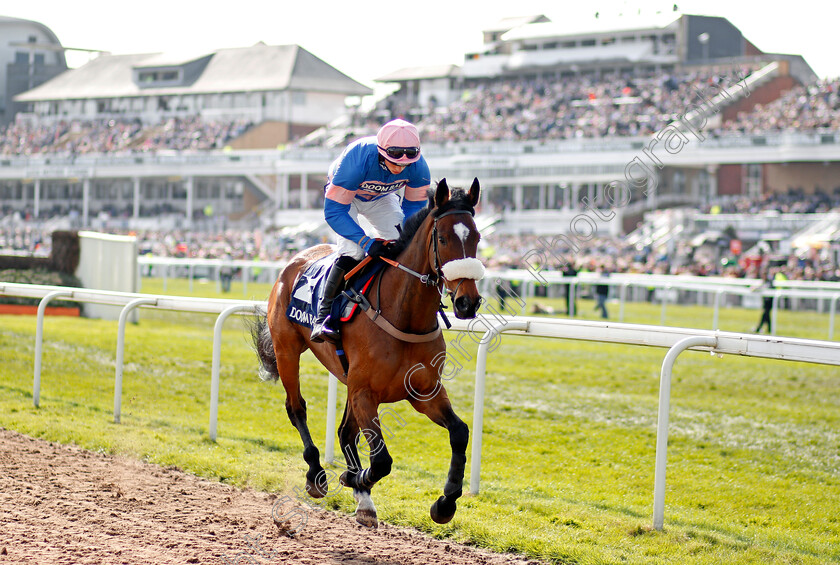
{"points": [[436, 266]]}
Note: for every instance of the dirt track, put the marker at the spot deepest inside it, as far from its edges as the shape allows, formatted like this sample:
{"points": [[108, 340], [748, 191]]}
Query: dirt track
{"points": [[62, 504]]}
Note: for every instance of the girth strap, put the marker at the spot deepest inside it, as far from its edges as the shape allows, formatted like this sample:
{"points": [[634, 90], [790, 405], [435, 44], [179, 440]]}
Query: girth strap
{"points": [[386, 326], [400, 335]]}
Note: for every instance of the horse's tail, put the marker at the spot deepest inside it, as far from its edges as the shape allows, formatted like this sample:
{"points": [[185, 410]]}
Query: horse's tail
{"points": [[261, 338]]}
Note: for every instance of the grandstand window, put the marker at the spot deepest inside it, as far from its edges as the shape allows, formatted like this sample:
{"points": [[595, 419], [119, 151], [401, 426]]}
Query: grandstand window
{"points": [[587, 43], [628, 39], [607, 40], [550, 45], [568, 44], [679, 182], [21, 58], [156, 77]]}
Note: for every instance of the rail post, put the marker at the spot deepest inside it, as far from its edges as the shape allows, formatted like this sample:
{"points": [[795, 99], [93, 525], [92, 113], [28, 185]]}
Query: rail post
{"points": [[118, 375], [478, 408], [39, 341], [832, 310], [662, 422], [716, 319], [332, 397], [217, 360]]}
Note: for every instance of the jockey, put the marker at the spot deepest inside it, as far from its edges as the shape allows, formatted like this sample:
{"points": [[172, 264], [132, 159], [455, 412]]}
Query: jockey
{"points": [[365, 179]]}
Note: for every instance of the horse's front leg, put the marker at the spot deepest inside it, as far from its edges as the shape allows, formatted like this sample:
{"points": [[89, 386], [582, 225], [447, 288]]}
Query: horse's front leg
{"points": [[360, 414], [439, 410]]}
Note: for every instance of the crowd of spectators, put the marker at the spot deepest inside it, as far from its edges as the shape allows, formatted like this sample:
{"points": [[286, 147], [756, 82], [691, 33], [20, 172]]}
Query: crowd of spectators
{"points": [[794, 201], [582, 106], [575, 107], [812, 107], [78, 137], [256, 245]]}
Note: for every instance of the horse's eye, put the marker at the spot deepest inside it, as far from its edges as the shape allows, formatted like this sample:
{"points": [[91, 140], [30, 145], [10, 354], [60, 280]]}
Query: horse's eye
{"points": [[442, 240]]}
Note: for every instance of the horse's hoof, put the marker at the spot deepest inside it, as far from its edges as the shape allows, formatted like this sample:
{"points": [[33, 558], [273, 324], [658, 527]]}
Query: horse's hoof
{"points": [[367, 518], [313, 490], [441, 512], [344, 479]]}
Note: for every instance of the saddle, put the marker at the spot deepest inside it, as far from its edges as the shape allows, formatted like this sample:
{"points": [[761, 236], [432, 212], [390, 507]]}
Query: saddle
{"points": [[308, 292]]}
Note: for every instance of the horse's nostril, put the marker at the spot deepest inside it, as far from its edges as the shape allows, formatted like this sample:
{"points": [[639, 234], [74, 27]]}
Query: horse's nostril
{"points": [[462, 304]]}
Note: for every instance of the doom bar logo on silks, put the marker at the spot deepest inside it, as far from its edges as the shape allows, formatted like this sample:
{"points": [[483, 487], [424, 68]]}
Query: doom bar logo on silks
{"points": [[383, 188]]}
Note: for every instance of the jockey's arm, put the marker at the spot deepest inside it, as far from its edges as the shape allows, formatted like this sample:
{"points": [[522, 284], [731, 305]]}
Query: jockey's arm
{"points": [[337, 214], [416, 192], [414, 200]]}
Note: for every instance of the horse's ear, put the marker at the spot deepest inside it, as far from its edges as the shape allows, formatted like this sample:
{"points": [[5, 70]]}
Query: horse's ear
{"points": [[441, 193], [475, 192]]}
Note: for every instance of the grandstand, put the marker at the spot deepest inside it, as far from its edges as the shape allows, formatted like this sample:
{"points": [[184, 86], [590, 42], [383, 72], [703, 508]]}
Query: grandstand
{"points": [[30, 54], [681, 109]]}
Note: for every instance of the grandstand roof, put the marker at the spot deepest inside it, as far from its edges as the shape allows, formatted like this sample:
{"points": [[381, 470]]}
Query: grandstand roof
{"points": [[247, 69], [506, 24], [590, 26]]}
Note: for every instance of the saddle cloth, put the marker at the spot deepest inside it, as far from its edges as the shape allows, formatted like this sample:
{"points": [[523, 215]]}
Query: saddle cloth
{"points": [[309, 291]]}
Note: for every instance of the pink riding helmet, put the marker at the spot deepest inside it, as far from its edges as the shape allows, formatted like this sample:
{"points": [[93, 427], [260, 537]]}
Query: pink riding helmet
{"points": [[395, 135]]}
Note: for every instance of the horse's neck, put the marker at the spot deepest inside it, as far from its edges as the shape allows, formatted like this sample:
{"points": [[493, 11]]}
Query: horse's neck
{"points": [[413, 305]]}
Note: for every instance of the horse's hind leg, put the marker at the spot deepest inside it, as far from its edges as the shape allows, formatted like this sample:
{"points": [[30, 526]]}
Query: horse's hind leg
{"points": [[439, 410], [289, 368], [347, 434]]}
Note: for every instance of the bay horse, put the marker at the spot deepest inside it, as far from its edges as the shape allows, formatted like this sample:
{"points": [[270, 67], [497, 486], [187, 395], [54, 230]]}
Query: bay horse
{"points": [[435, 251]]}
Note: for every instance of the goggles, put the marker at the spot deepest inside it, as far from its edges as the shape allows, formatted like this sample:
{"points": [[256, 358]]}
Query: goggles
{"points": [[399, 152]]}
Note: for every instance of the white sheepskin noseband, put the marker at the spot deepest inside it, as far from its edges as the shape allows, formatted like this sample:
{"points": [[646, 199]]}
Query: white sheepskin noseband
{"points": [[469, 268]]}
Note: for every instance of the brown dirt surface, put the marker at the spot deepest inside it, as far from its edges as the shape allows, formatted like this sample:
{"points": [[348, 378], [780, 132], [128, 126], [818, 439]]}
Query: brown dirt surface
{"points": [[65, 505]]}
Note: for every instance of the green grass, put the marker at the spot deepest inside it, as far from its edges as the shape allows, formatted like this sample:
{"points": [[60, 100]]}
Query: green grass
{"points": [[569, 438]]}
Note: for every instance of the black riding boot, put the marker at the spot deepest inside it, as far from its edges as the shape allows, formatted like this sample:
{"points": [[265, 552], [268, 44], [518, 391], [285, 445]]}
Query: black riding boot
{"points": [[335, 282]]}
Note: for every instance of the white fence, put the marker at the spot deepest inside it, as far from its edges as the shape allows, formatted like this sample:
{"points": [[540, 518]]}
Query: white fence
{"points": [[709, 290], [130, 301], [676, 340]]}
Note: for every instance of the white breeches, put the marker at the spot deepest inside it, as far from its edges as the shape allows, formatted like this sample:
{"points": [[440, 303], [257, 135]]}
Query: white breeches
{"points": [[383, 217]]}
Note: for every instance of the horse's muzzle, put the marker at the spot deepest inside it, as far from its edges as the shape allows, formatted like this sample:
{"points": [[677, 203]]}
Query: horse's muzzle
{"points": [[466, 306]]}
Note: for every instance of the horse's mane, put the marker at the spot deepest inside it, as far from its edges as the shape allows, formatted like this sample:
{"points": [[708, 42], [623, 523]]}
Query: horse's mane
{"points": [[458, 200]]}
